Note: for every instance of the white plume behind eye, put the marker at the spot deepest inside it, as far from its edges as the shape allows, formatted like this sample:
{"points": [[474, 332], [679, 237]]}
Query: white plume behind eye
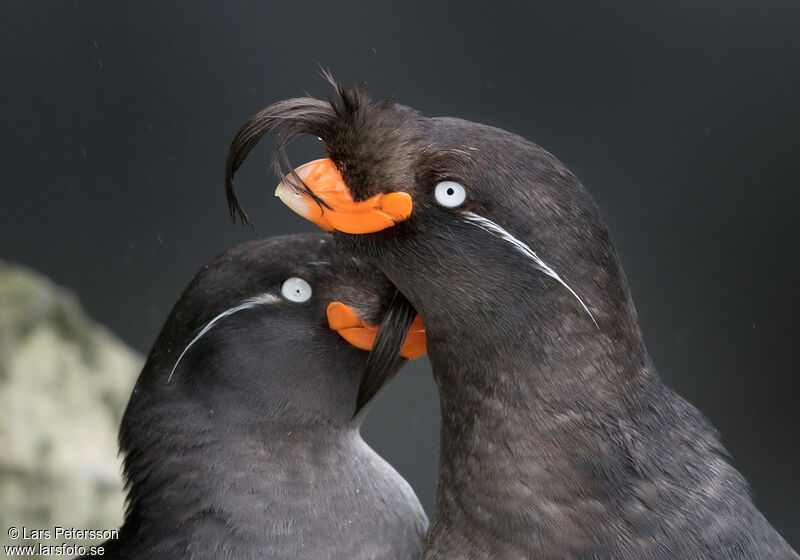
{"points": [[488, 225], [450, 194], [296, 290], [249, 303]]}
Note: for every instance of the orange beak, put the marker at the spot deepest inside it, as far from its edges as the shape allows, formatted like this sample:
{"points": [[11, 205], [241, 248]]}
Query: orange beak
{"points": [[345, 214], [344, 320]]}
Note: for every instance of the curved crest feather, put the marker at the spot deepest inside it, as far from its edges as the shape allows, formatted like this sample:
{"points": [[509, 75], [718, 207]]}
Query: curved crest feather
{"points": [[290, 118]]}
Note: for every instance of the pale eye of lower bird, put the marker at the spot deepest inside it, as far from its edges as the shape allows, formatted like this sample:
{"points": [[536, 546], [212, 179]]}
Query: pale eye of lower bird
{"points": [[296, 290], [450, 194]]}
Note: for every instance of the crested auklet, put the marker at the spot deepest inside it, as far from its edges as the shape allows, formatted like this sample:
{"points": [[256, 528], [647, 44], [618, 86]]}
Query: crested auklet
{"points": [[241, 438], [558, 438]]}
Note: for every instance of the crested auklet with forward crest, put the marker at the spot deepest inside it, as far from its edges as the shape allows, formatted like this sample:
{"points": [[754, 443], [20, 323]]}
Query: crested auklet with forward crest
{"points": [[558, 439], [241, 438]]}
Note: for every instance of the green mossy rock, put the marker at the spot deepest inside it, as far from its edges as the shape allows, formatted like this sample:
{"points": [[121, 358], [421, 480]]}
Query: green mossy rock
{"points": [[64, 383]]}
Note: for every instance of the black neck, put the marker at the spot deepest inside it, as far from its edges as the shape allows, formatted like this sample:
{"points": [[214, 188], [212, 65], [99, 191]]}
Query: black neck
{"points": [[545, 407], [564, 435], [199, 472]]}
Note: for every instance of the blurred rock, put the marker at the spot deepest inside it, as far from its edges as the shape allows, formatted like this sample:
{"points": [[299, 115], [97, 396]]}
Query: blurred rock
{"points": [[64, 383]]}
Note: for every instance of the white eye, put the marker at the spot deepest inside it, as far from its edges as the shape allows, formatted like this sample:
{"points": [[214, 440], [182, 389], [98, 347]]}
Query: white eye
{"points": [[296, 289], [450, 194]]}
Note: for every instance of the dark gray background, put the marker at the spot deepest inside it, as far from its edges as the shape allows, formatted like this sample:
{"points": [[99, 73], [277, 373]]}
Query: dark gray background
{"points": [[680, 117]]}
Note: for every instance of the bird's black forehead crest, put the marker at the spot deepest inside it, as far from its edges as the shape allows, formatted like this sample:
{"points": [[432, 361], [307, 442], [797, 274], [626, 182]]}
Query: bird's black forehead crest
{"points": [[370, 142]]}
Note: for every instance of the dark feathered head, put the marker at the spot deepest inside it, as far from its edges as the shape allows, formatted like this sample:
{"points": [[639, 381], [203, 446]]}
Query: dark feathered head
{"points": [[262, 325], [431, 200]]}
